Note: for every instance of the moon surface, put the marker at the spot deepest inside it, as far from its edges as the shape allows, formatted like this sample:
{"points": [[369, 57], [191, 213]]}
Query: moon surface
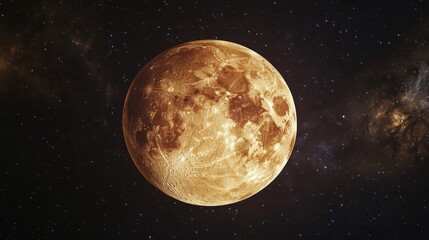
{"points": [[209, 122]]}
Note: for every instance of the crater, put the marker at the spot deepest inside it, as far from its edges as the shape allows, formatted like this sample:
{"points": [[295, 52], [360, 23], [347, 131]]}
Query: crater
{"points": [[253, 74]]}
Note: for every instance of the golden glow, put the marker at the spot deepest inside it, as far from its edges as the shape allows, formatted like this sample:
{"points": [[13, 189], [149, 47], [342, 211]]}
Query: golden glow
{"points": [[209, 122], [397, 118]]}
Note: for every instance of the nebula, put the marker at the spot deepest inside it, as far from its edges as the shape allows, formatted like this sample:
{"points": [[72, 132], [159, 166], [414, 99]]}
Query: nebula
{"points": [[399, 116]]}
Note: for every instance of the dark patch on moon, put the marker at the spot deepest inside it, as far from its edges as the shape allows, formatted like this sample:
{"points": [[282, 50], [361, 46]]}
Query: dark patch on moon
{"points": [[242, 109], [141, 138], [233, 80], [280, 106]]}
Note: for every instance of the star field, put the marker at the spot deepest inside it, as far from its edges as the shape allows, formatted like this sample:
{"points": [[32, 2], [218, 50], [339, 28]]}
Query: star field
{"points": [[358, 72]]}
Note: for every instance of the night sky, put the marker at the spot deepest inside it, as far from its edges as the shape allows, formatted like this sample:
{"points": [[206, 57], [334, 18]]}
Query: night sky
{"points": [[358, 72]]}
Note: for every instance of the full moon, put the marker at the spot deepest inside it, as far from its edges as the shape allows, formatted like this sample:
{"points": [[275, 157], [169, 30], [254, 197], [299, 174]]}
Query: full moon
{"points": [[209, 122]]}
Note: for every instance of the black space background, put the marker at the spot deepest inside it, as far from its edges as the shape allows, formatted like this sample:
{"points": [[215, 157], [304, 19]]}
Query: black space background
{"points": [[65, 68]]}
